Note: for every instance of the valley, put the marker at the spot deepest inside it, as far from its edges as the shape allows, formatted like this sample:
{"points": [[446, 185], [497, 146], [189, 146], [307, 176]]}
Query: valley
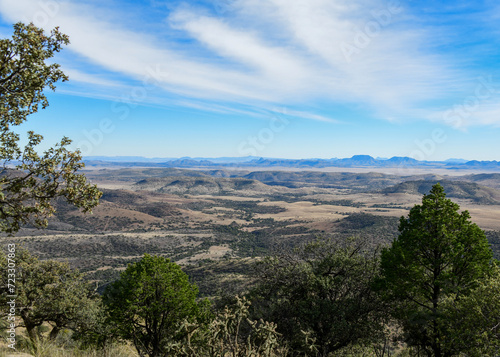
{"points": [[216, 223]]}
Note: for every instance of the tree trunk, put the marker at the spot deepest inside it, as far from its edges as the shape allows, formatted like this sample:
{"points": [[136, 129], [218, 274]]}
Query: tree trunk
{"points": [[30, 327], [54, 332]]}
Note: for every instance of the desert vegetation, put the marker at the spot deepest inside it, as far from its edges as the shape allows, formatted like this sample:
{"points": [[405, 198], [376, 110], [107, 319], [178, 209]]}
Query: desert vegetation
{"points": [[432, 291]]}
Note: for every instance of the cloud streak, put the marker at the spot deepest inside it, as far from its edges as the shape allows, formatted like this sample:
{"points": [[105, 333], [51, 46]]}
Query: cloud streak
{"points": [[261, 53]]}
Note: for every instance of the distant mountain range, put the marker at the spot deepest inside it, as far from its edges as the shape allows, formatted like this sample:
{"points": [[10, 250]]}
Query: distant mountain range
{"points": [[141, 159], [252, 161]]}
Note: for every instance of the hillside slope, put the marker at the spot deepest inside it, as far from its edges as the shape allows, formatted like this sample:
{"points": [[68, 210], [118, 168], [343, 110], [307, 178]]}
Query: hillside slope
{"points": [[204, 185], [455, 189]]}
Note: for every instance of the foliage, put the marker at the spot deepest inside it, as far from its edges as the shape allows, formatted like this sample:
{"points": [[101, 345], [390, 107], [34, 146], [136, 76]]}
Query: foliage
{"points": [[322, 290], [48, 292], [438, 255], [494, 239], [474, 319], [148, 303], [230, 333], [92, 331], [29, 181]]}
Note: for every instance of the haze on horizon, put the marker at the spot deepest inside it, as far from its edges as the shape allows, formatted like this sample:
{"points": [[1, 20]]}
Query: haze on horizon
{"points": [[273, 78]]}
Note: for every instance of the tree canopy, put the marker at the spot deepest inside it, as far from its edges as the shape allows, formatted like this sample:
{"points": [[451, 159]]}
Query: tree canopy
{"points": [[321, 292], [148, 303], [50, 292], [439, 254], [474, 319], [29, 181]]}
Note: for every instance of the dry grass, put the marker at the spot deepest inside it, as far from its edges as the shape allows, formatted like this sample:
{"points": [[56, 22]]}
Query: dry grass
{"points": [[214, 252], [48, 349]]}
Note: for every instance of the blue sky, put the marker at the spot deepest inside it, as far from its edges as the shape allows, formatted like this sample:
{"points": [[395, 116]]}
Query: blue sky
{"points": [[273, 78]]}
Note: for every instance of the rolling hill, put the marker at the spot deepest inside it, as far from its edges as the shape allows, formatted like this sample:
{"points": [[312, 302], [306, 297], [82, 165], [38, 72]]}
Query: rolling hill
{"points": [[456, 189], [204, 185]]}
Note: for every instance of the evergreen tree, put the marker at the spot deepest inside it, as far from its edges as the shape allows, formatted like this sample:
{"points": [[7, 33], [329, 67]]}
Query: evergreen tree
{"points": [[149, 301], [439, 254]]}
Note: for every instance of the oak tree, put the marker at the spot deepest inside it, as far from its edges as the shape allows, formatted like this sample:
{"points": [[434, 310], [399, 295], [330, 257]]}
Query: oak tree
{"points": [[29, 180], [321, 295], [48, 291]]}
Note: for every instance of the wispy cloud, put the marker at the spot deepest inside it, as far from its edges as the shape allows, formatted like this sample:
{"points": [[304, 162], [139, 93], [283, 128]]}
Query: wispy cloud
{"points": [[92, 79], [307, 115], [265, 52]]}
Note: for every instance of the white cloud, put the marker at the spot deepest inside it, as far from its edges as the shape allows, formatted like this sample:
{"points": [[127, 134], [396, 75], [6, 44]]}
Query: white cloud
{"points": [[462, 118], [272, 62], [266, 52], [92, 79], [306, 115]]}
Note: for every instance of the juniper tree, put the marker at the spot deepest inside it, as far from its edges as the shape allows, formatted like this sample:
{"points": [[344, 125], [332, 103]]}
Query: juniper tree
{"points": [[148, 303]]}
